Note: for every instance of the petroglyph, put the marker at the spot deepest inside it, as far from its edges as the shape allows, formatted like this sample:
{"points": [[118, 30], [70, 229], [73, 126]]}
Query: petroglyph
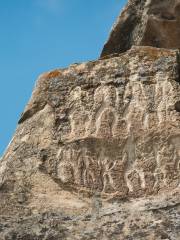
{"points": [[115, 134], [113, 139]]}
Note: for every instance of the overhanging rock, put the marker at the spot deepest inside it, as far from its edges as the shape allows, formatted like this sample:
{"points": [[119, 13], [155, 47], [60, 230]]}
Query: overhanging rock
{"points": [[145, 23]]}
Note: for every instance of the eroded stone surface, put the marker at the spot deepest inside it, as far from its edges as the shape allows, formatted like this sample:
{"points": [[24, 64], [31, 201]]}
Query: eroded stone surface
{"points": [[118, 135], [97, 153], [146, 23]]}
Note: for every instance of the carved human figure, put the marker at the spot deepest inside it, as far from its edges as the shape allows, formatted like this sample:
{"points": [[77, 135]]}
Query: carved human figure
{"points": [[105, 124], [103, 109], [78, 116]]}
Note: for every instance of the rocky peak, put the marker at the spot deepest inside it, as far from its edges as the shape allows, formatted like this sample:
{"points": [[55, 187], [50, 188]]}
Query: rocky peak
{"points": [[145, 23]]}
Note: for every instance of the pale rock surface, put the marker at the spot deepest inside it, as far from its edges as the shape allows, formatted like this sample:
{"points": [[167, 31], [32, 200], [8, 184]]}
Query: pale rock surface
{"points": [[96, 154], [146, 23]]}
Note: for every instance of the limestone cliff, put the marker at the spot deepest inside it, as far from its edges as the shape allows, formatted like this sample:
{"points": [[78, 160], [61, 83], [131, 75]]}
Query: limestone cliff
{"points": [[96, 154]]}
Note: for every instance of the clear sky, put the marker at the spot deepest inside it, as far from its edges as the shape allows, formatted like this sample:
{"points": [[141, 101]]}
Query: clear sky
{"points": [[40, 35]]}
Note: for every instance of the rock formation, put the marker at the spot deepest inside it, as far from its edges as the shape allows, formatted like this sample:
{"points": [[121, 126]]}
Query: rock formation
{"points": [[96, 154], [146, 23]]}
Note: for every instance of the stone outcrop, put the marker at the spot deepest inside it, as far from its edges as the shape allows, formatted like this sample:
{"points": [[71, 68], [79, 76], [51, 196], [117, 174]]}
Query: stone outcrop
{"points": [[146, 23], [96, 154], [97, 138]]}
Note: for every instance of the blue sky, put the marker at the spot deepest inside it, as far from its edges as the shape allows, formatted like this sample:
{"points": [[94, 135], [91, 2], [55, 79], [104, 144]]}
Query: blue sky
{"points": [[40, 35]]}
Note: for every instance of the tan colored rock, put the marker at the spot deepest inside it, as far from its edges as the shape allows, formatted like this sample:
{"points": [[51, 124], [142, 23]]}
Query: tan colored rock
{"points": [[146, 23], [97, 153]]}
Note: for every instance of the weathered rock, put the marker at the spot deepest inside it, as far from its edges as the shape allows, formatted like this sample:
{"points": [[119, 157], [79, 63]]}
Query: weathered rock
{"points": [[146, 23], [97, 153]]}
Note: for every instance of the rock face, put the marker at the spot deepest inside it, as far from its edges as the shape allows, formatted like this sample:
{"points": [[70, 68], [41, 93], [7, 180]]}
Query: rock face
{"points": [[98, 145], [96, 154], [146, 23]]}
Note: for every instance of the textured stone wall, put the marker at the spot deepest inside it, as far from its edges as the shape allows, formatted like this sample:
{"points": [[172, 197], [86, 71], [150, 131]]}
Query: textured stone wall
{"points": [[120, 133], [97, 145], [113, 126]]}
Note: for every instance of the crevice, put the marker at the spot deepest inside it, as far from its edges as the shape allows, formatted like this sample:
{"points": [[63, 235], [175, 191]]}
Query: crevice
{"points": [[167, 207], [30, 112], [168, 16], [178, 68], [177, 106]]}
